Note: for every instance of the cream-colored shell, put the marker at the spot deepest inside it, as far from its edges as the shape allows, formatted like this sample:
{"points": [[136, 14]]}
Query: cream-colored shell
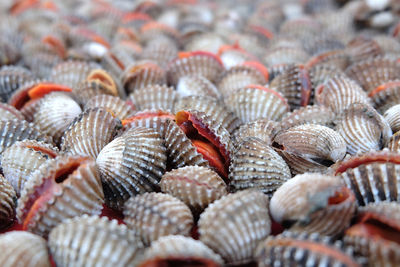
{"points": [[234, 225], [392, 116], [196, 186], [196, 85], [114, 104], [154, 96], [94, 241], [152, 215], [20, 248], [263, 129], [8, 112]]}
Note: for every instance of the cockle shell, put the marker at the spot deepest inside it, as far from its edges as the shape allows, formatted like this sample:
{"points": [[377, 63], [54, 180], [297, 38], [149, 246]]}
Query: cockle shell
{"points": [[8, 199], [386, 95], [256, 165], [339, 92], [255, 102], [131, 164], [20, 248], [334, 58], [17, 130], [362, 128], [263, 129], [142, 74], [11, 78], [161, 50], [177, 249], [194, 63], [312, 141], [394, 142], [54, 114], [373, 72], [86, 90], [154, 96], [234, 225], [196, 186], [392, 116], [314, 203], [60, 189], [22, 158], [8, 112], [90, 132], [363, 48], [373, 176], [295, 249], [152, 215], [113, 104], [320, 115], [374, 236], [196, 85], [213, 108], [281, 55], [94, 241]]}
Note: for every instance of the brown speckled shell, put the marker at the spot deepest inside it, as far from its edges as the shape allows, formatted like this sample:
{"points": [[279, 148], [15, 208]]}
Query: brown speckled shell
{"points": [[234, 225], [131, 164], [90, 132], [8, 199], [94, 241], [79, 193], [196, 186], [152, 215], [23, 249], [256, 165]]}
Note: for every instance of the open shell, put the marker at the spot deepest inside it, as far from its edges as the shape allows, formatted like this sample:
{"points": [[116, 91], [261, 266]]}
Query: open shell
{"points": [[249, 223], [23, 249], [196, 186], [152, 215], [256, 165], [60, 189], [94, 241], [131, 164]]}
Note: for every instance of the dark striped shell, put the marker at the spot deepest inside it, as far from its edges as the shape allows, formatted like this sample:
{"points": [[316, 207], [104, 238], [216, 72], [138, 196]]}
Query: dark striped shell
{"points": [[8, 199]]}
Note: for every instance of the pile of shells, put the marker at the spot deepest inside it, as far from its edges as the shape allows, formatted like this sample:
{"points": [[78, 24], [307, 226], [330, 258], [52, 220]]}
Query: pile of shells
{"points": [[200, 133]]}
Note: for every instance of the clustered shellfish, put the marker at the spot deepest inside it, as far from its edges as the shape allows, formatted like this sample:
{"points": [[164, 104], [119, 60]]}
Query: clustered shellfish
{"points": [[199, 133]]}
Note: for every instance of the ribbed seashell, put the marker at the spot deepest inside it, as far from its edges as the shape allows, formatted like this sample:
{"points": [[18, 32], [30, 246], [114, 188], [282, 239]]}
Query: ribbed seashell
{"points": [[131, 164], [209, 138], [374, 236], [386, 95], [234, 225], [285, 55], [60, 189], [373, 176], [213, 108], [312, 141], [71, 73], [320, 74], [296, 249], [363, 128], [94, 241], [21, 159], [177, 249], [339, 92], [153, 215], [86, 90], [294, 84], [263, 129], [255, 102], [393, 143], [153, 29], [18, 130], [90, 132], [392, 116], [142, 74], [154, 119], [314, 203], [196, 186], [42, 63], [372, 72], [20, 248], [196, 85], [207, 41], [324, 42], [233, 55], [336, 58], [54, 114], [154, 96], [388, 44], [161, 50], [238, 77], [363, 48], [320, 115], [256, 165], [11, 78], [113, 104], [8, 112], [201, 63], [8, 199]]}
